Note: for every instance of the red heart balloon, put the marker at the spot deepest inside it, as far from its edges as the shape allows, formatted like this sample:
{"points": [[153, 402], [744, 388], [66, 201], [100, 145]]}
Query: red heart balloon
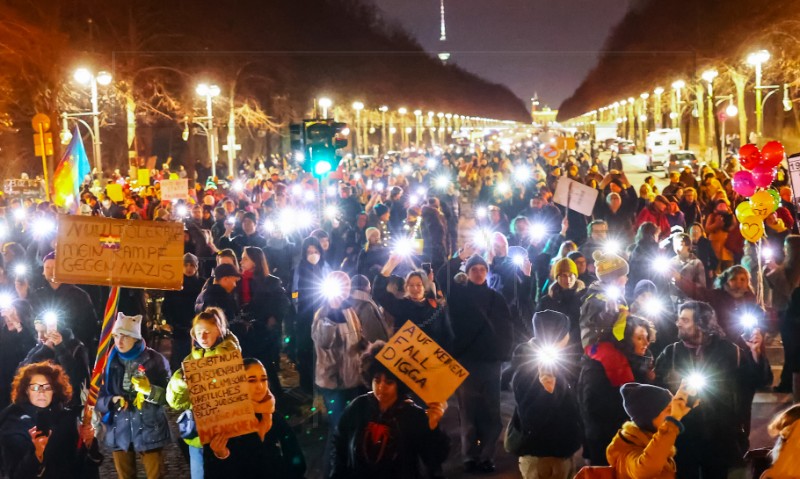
{"points": [[749, 156], [772, 154]]}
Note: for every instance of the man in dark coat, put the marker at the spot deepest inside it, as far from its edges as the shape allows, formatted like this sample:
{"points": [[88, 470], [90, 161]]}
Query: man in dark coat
{"points": [[178, 310], [251, 237], [220, 293]]}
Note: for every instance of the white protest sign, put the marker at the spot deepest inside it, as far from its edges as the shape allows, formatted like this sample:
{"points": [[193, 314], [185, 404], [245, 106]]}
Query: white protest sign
{"points": [[575, 196], [794, 175], [174, 189]]}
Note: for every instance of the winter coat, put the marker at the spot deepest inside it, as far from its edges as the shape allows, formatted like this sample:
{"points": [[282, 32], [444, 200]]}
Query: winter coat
{"points": [[690, 269], [375, 327], [178, 306], [63, 459], [71, 355], [649, 213], [406, 309], [371, 260], [481, 322], [638, 454], [74, 310], [729, 309], [240, 242], [338, 343], [641, 266], [305, 286], [143, 429], [705, 253], [549, 421], [434, 236], [507, 278], [369, 443], [267, 300], [215, 295], [568, 302], [178, 396], [598, 314], [279, 455], [13, 348], [720, 426], [691, 212]]}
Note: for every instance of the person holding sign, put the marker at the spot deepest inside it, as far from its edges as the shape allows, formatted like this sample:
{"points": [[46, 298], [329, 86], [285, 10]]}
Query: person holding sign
{"points": [[273, 447], [132, 399], [210, 337], [384, 434]]}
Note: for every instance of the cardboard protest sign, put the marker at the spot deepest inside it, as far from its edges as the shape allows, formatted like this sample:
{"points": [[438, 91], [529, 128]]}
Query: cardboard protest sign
{"points": [[794, 175], [575, 196], [109, 252], [421, 364], [174, 189], [220, 401], [143, 177], [114, 191]]}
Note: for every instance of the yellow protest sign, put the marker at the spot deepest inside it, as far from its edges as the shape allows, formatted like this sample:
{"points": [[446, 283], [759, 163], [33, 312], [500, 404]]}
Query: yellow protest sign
{"points": [[109, 252], [421, 364], [220, 402], [114, 191], [143, 177]]}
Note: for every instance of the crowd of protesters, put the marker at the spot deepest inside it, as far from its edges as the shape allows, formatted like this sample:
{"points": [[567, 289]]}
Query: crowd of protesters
{"points": [[634, 333]]}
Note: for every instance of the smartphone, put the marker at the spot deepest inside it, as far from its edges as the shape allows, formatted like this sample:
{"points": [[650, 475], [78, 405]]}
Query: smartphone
{"points": [[427, 268], [43, 422]]}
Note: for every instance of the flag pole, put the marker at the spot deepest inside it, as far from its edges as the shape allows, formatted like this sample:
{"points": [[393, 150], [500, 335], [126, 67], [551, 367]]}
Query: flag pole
{"points": [[102, 354]]}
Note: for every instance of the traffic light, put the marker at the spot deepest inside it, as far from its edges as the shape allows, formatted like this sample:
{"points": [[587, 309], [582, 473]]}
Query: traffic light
{"points": [[314, 143]]}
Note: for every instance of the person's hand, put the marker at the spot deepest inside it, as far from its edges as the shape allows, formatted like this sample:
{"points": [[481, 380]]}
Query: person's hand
{"points": [[467, 251], [54, 338], [548, 381], [755, 342], [564, 226], [22, 288], [527, 267], [229, 228], [86, 432], [391, 264], [119, 401], [219, 445], [679, 406], [435, 412], [12, 321], [141, 384], [39, 440]]}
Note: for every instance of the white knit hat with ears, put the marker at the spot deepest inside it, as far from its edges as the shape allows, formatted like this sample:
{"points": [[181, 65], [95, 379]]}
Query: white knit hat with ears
{"points": [[128, 325]]}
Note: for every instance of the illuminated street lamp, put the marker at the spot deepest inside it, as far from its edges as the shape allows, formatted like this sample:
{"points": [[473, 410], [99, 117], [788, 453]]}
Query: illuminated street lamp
{"points": [[87, 78], [657, 106], [325, 103], [209, 92], [357, 107], [756, 59]]}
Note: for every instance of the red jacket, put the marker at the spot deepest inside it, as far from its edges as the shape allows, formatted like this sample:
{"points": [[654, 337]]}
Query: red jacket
{"points": [[650, 214]]}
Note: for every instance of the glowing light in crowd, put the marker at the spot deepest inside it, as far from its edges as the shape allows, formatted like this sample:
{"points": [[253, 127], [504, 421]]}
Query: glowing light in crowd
{"points": [[50, 319], [613, 292], [309, 196], [653, 306], [356, 176], [238, 186], [407, 169], [503, 187], [19, 214], [481, 212], [21, 269], [42, 227], [379, 186], [548, 355], [269, 226], [696, 381], [612, 247], [331, 212], [330, 191], [482, 237], [333, 288], [518, 260], [413, 200], [297, 189], [442, 182], [6, 300], [395, 171], [291, 220], [661, 264], [522, 173], [403, 247], [182, 211], [749, 320], [767, 254], [432, 163], [537, 232], [3, 231], [421, 191], [231, 220]]}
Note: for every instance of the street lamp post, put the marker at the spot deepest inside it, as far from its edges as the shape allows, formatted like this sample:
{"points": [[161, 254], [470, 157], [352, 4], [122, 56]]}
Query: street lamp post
{"points": [[657, 107], [403, 136], [756, 59], [643, 119], [325, 103], [709, 76], [357, 107], [383, 111], [209, 92], [730, 112], [677, 86], [418, 117], [85, 77]]}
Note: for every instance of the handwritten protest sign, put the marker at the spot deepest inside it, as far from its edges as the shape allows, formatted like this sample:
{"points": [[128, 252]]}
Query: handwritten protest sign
{"points": [[109, 252], [575, 196], [794, 175], [421, 364], [174, 189], [220, 401]]}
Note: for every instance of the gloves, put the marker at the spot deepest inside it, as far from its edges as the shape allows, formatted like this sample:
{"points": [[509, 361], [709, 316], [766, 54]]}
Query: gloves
{"points": [[141, 384], [139, 401]]}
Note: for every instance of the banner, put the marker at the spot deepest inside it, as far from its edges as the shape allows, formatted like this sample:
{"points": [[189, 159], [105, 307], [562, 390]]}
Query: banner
{"points": [[575, 196], [174, 189], [220, 401], [421, 364], [128, 253]]}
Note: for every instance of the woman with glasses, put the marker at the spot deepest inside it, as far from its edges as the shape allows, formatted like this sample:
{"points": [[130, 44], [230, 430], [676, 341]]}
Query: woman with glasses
{"points": [[132, 399], [39, 436]]}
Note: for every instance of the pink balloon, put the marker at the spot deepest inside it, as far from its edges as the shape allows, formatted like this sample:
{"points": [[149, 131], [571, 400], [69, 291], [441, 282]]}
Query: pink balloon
{"points": [[744, 183], [764, 175]]}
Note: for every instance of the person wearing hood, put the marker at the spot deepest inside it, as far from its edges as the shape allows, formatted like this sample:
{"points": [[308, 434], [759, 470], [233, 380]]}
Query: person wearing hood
{"points": [[17, 337], [604, 298], [565, 296], [374, 324], [309, 274], [546, 414], [131, 401], [338, 344], [39, 436], [210, 337], [221, 292], [482, 341], [373, 254], [645, 445], [510, 275]]}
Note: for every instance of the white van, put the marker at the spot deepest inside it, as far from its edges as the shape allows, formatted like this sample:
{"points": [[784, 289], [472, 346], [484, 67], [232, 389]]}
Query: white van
{"points": [[660, 143]]}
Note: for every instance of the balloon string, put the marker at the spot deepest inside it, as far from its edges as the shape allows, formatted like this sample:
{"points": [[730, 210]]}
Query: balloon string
{"points": [[760, 276]]}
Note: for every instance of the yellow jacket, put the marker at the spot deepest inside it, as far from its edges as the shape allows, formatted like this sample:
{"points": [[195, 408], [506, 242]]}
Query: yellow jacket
{"points": [[637, 454], [788, 463]]}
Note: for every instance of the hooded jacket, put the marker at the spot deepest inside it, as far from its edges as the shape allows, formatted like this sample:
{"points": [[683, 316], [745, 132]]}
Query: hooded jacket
{"points": [[338, 342], [638, 454], [567, 302]]}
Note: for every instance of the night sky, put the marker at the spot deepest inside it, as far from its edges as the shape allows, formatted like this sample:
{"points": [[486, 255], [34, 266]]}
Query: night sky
{"points": [[546, 46]]}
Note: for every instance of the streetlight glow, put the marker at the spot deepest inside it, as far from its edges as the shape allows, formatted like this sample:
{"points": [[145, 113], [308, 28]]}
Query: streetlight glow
{"points": [[358, 106], [658, 90], [325, 102], [104, 78], [731, 110], [709, 75], [758, 58], [678, 84], [83, 76]]}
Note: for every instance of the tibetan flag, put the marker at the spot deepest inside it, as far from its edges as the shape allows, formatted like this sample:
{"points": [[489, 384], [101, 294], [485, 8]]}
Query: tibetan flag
{"points": [[103, 348], [70, 174]]}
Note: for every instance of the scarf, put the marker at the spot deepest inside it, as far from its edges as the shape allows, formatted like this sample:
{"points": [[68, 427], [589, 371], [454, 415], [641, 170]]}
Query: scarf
{"points": [[134, 353], [615, 363], [247, 276]]}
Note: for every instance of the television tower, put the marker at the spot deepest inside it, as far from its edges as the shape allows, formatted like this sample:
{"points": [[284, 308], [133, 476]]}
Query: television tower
{"points": [[443, 55]]}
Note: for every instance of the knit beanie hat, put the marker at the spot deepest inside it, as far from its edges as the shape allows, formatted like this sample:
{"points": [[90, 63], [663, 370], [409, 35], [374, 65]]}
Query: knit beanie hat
{"points": [[644, 286], [128, 325], [475, 260], [380, 209], [550, 326], [565, 265], [643, 403], [609, 266], [359, 282]]}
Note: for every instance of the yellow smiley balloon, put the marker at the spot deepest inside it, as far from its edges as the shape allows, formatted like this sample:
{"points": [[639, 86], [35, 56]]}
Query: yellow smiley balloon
{"points": [[762, 204], [752, 229]]}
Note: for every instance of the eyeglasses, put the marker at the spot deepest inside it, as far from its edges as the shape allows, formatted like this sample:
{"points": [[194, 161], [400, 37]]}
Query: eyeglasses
{"points": [[40, 387]]}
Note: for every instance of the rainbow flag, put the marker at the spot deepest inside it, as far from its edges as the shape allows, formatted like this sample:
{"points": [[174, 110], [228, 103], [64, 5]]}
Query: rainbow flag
{"points": [[70, 174], [103, 349]]}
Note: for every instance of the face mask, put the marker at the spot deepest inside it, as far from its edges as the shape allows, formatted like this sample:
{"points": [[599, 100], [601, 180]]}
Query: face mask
{"points": [[313, 258]]}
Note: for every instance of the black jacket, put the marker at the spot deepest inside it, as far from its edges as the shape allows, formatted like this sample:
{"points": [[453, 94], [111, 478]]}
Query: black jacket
{"points": [[178, 306], [268, 299], [215, 295], [74, 307], [278, 455], [71, 355], [13, 348], [389, 445], [568, 302], [370, 262]]}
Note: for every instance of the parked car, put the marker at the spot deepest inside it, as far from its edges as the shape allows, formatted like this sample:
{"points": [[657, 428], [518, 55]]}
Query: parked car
{"points": [[626, 147], [680, 160], [660, 144]]}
